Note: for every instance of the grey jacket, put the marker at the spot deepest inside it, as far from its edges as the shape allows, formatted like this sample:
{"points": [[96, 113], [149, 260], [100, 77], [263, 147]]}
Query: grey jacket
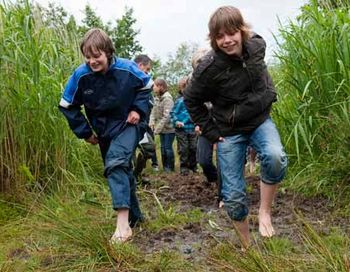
{"points": [[160, 115]]}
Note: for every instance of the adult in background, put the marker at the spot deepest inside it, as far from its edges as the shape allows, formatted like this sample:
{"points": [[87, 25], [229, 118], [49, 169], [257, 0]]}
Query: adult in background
{"points": [[147, 145], [234, 78]]}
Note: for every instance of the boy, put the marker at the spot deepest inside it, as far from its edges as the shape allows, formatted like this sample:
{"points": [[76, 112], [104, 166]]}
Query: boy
{"points": [[161, 124], [184, 131], [234, 78], [115, 96]]}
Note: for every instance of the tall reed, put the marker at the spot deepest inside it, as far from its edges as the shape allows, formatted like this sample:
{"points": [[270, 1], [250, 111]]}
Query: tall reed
{"points": [[314, 90], [36, 147]]}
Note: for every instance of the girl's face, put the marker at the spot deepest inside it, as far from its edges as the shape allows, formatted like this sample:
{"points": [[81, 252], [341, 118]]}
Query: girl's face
{"points": [[97, 60], [157, 89]]}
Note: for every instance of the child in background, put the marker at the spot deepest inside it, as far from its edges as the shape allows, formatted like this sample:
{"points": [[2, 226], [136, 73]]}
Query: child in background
{"points": [[115, 94], [161, 124], [184, 131]]}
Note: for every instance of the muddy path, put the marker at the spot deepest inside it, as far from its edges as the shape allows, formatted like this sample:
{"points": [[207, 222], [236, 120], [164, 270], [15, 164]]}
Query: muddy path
{"points": [[194, 240]]}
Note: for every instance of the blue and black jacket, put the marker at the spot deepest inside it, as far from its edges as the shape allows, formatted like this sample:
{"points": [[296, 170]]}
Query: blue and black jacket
{"points": [[179, 113], [107, 98]]}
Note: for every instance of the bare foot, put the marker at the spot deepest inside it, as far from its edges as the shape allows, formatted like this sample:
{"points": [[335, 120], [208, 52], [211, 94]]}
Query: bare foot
{"points": [[265, 226], [120, 236], [242, 230], [221, 204]]}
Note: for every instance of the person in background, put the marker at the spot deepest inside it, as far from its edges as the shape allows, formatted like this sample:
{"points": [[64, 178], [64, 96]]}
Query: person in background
{"points": [[234, 78], [161, 124], [205, 148], [184, 131], [115, 95], [147, 145]]}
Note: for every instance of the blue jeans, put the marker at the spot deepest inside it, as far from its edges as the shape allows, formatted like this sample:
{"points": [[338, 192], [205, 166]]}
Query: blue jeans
{"points": [[205, 159], [231, 156], [167, 151], [117, 155]]}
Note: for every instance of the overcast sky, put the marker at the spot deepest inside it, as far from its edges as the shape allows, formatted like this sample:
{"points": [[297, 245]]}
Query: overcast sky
{"points": [[165, 24]]}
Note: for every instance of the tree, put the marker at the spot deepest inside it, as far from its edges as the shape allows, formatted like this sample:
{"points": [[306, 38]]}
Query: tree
{"points": [[91, 20], [54, 16], [178, 65], [124, 36]]}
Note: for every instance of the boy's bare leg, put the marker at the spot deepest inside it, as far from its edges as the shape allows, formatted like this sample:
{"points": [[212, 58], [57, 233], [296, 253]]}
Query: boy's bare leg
{"points": [[242, 229], [267, 195], [123, 231], [252, 159]]}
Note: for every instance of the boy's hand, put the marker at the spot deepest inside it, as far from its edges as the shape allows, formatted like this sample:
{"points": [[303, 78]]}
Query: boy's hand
{"points": [[92, 140], [197, 130], [133, 118], [215, 145]]}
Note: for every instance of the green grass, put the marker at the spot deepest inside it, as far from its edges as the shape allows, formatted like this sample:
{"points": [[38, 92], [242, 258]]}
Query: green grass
{"points": [[56, 213]]}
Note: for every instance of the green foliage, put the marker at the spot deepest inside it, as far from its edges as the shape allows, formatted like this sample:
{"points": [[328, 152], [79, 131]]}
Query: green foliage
{"points": [[177, 65], [124, 36], [37, 56], [91, 20], [170, 217], [314, 92], [323, 253], [167, 261], [9, 212]]}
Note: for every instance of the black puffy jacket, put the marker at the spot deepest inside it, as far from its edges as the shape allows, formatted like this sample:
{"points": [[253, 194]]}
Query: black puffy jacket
{"points": [[240, 89]]}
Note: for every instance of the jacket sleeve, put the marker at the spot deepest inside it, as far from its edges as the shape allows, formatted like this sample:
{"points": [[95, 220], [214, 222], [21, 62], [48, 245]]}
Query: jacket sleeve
{"points": [[152, 116], [168, 105], [256, 101], [195, 95], [70, 106], [174, 112]]}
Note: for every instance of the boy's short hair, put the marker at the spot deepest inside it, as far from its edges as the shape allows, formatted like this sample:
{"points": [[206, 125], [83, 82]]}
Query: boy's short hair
{"points": [[182, 83], [143, 59], [197, 56], [97, 39], [229, 18], [162, 83]]}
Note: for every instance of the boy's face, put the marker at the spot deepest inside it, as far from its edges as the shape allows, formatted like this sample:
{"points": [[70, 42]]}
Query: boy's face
{"points": [[97, 60], [145, 68], [230, 43]]}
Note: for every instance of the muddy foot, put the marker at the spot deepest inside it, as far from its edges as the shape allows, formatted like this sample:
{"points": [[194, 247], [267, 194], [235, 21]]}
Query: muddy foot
{"points": [[121, 236]]}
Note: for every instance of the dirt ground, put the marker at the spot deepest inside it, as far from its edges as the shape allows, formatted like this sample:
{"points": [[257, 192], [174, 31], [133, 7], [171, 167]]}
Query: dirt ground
{"points": [[195, 239]]}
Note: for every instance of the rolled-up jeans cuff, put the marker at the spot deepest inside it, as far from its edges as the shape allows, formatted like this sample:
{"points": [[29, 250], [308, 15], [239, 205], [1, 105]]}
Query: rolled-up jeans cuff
{"points": [[270, 182], [117, 207]]}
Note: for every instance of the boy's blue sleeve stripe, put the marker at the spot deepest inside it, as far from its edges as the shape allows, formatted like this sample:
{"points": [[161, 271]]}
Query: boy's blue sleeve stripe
{"points": [[130, 66], [72, 85]]}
